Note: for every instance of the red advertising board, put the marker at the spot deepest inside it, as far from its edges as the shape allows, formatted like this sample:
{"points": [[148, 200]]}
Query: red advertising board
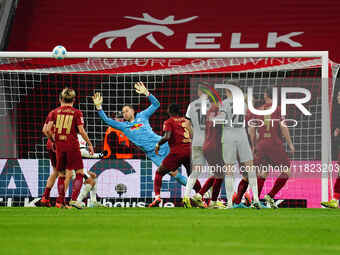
{"points": [[177, 26]]}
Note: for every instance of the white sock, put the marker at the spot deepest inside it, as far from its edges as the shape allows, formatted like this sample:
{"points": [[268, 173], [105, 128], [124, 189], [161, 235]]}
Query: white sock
{"points": [[208, 194], [84, 191], [190, 183], [93, 192], [229, 187], [252, 179]]}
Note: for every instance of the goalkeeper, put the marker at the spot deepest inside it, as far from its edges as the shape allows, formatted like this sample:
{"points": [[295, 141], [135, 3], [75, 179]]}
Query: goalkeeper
{"points": [[138, 129]]}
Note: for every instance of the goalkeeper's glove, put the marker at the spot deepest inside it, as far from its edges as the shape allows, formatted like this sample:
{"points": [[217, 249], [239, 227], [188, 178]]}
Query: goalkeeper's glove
{"points": [[97, 100], [140, 89]]}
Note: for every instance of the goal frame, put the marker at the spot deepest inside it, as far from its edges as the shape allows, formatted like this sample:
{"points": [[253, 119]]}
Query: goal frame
{"points": [[323, 55]]}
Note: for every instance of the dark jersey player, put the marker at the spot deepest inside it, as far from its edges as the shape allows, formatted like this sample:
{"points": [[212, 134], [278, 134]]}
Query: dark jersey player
{"points": [[178, 135], [67, 122], [269, 149]]}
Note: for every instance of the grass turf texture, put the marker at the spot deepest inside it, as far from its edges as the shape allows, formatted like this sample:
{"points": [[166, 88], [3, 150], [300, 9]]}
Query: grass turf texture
{"points": [[55, 231]]}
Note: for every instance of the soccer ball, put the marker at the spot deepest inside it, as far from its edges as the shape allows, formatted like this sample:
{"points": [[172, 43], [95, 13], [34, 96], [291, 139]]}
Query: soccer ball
{"points": [[59, 52]]}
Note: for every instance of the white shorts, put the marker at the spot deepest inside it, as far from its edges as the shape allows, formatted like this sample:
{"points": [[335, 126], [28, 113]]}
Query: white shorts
{"points": [[197, 156], [235, 143]]}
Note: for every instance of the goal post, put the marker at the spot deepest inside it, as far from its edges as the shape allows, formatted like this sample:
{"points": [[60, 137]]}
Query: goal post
{"points": [[113, 74]]}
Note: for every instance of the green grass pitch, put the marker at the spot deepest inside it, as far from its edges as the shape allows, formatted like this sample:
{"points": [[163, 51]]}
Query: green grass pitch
{"points": [[52, 231]]}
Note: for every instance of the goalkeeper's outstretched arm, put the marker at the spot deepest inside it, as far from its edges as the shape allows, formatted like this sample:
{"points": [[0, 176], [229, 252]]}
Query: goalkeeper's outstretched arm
{"points": [[98, 100], [141, 89]]}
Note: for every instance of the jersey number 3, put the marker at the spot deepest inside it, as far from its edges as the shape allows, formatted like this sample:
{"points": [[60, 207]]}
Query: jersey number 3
{"points": [[186, 133]]}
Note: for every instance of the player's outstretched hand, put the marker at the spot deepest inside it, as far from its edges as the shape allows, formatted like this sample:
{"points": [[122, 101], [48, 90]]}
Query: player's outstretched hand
{"points": [[292, 148], [97, 100], [141, 89]]}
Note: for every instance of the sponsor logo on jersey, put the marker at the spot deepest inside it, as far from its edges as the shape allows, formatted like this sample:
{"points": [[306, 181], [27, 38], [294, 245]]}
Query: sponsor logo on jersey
{"points": [[136, 126]]}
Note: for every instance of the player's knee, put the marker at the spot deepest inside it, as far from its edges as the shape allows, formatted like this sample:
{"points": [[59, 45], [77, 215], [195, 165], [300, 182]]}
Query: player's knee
{"points": [[162, 170], [90, 181], [68, 173], [80, 171], [54, 173], [286, 172], [92, 174], [245, 178]]}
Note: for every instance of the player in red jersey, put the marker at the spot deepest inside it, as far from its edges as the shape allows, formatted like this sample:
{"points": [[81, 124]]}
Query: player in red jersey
{"points": [[268, 148], [68, 121], [178, 135], [212, 150], [45, 200]]}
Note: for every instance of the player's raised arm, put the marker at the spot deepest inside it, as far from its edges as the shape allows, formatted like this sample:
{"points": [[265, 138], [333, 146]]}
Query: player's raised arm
{"points": [[141, 89], [97, 101]]}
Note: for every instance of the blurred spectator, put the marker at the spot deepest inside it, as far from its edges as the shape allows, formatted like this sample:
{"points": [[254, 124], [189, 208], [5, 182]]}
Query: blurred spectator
{"points": [[117, 144]]}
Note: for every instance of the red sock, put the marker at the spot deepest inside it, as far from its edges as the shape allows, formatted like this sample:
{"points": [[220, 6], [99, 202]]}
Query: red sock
{"points": [[207, 185], [260, 183], [197, 186], [61, 190], [242, 188], [337, 188], [157, 183], [216, 189], [278, 185], [46, 194], [76, 186]]}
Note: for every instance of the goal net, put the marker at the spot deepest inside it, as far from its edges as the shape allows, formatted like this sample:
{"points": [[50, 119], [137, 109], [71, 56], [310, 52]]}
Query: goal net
{"points": [[30, 85]]}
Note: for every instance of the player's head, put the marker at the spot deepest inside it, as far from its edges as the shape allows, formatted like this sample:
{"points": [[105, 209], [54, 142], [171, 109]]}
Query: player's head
{"points": [[128, 113], [173, 109], [202, 87], [67, 96], [268, 93], [235, 83]]}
